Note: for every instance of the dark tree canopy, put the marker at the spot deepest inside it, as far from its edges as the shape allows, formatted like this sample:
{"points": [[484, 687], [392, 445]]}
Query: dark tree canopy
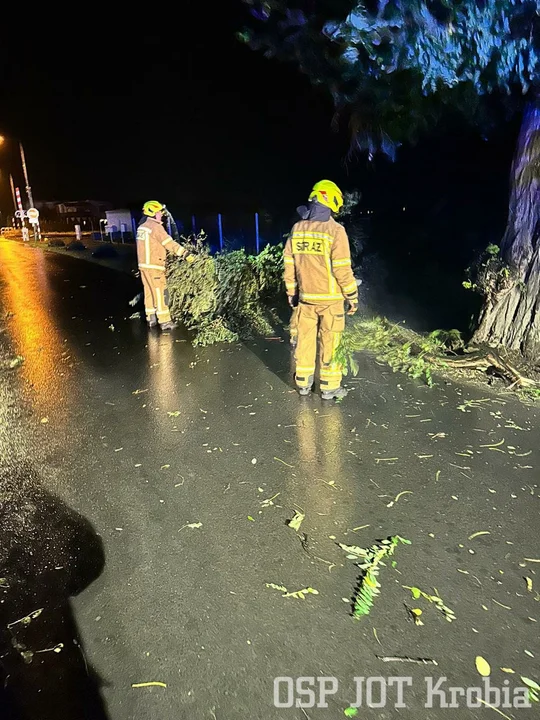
{"points": [[394, 65]]}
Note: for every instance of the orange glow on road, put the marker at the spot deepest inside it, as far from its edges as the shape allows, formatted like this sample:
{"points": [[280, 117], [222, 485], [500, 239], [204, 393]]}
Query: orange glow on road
{"points": [[34, 333]]}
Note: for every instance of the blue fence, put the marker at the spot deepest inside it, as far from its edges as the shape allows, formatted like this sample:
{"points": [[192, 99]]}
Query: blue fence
{"points": [[224, 232], [235, 231]]}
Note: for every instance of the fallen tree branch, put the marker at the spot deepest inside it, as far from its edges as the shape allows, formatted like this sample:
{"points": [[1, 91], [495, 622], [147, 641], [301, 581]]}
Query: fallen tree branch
{"points": [[419, 355], [486, 361]]}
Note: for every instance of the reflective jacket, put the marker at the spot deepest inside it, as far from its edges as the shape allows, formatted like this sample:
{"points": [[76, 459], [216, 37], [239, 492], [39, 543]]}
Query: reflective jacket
{"points": [[153, 244], [318, 262]]}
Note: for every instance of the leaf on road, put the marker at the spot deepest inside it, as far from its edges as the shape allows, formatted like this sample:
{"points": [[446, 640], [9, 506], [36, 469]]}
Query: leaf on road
{"points": [[296, 521], [529, 584], [350, 712], [436, 599], [153, 683], [508, 670], [299, 594], [477, 534], [175, 413], [530, 683], [482, 665], [355, 550], [139, 392]]}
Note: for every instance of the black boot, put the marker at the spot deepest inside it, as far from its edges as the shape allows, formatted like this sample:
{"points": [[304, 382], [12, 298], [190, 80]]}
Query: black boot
{"points": [[170, 325], [336, 394]]}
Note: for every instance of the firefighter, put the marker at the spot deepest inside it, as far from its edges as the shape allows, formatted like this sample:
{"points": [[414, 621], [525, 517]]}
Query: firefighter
{"points": [[319, 278], [153, 244]]}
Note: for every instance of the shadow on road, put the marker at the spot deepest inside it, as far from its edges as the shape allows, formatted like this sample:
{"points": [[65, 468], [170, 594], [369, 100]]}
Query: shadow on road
{"points": [[48, 553]]}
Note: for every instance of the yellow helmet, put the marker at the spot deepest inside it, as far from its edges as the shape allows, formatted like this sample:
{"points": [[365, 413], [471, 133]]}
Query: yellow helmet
{"points": [[328, 194], [152, 207]]}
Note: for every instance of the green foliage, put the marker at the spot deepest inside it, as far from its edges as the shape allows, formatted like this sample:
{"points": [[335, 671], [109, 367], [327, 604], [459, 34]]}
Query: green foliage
{"points": [[225, 297], [371, 559], [490, 275], [436, 599], [394, 65], [404, 350]]}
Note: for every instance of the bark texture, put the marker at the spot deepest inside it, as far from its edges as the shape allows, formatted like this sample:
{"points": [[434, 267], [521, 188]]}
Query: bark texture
{"points": [[511, 317]]}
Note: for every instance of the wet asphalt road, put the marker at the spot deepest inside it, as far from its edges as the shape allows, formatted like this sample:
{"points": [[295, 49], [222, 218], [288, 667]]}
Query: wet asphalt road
{"points": [[143, 436]]}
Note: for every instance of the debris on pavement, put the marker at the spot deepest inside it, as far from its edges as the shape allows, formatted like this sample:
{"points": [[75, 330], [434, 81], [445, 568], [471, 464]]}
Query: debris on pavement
{"points": [[300, 594], [394, 501], [296, 521], [435, 599], [482, 666], [406, 659], [283, 462], [370, 560], [477, 534], [12, 363]]}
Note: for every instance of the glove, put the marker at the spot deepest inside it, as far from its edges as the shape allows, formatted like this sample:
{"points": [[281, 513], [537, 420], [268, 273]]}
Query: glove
{"points": [[292, 301], [353, 307]]}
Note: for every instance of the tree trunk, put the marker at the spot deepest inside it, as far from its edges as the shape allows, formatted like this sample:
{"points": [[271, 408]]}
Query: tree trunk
{"points": [[512, 319]]}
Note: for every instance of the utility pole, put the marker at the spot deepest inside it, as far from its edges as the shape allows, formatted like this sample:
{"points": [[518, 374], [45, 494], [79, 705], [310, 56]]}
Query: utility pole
{"points": [[13, 192], [37, 229], [25, 171]]}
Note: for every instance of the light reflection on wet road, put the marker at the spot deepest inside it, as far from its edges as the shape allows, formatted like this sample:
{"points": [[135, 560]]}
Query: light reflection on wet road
{"points": [[147, 435]]}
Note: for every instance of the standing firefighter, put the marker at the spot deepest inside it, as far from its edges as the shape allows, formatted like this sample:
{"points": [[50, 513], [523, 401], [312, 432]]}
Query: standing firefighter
{"points": [[319, 277], [153, 244]]}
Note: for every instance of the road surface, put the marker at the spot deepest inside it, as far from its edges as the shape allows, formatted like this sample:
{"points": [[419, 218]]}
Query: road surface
{"points": [[185, 465]]}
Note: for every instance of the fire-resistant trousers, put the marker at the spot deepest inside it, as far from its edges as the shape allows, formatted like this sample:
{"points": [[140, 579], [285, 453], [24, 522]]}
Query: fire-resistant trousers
{"points": [[322, 323], [293, 326], [156, 295]]}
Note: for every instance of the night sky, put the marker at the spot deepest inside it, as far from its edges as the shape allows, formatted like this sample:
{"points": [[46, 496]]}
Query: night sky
{"points": [[128, 109]]}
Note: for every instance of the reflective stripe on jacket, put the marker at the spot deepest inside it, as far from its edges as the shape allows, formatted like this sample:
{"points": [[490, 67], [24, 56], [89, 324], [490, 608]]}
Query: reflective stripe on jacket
{"points": [[317, 261], [153, 244]]}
